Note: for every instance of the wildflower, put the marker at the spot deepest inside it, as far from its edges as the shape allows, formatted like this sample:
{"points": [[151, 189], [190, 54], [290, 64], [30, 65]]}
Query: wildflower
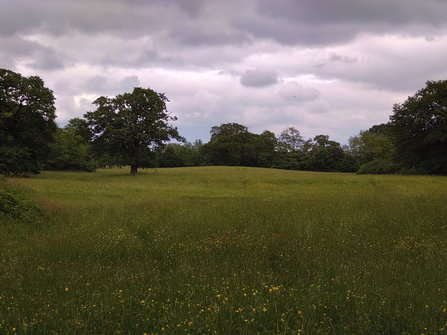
{"points": [[66, 289], [264, 309]]}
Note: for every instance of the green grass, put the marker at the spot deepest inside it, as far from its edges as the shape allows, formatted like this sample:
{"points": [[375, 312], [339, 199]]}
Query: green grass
{"points": [[224, 250]]}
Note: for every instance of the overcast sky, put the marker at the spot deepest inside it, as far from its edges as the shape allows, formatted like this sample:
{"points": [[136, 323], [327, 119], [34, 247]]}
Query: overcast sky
{"points": [[331, 67]]}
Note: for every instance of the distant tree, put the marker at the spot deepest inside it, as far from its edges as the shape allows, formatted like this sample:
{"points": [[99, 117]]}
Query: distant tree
{"points": [[170, 156], [419, 129], [265, 145], [382, 129], [230, 144], [27, 126], [368, 146], [69, 152], [79, 127], [326, 154], [131, 126], [290, 139]]}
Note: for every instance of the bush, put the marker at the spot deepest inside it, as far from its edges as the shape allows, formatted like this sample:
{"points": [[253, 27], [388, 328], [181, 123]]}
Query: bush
{"points": [[16, 207], [378, 166]]}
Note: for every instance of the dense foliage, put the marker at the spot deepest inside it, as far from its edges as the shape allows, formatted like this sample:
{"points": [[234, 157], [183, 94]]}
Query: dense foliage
{"points": [[27, 124], [419, 129]]}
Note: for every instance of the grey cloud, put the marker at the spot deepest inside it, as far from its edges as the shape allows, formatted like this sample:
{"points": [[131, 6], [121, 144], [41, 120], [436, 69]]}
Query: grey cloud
{"points": [[127, 84], [201, 36], [192, 7], [47, 59], [295, 33], [320, 22], [294, 91], [396, 12], [61, 17], [146, 58], [258, 78], [104, 86], [96, 84], [334, 58], [34, 54]]}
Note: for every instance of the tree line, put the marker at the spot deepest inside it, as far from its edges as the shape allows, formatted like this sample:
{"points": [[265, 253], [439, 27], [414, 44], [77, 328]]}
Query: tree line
{"points": [[134, 129]]}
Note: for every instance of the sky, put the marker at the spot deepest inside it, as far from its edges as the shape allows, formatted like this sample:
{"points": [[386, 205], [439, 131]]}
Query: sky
{"points": [[330, 67]]}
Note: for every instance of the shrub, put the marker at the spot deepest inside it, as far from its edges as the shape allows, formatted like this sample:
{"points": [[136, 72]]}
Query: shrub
{"points": [[378, 166], [16, 207]]}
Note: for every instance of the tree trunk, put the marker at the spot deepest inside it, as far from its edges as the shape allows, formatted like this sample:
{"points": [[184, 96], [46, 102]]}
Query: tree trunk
{"points": [[133, 169]]}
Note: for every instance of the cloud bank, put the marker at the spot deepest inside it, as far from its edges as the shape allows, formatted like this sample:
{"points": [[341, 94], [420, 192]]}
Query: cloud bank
{"points": [[322, 66]]}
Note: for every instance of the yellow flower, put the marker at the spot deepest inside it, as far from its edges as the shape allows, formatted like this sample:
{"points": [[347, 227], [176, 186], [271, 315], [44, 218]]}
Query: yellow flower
{"points": [[66, 289]]}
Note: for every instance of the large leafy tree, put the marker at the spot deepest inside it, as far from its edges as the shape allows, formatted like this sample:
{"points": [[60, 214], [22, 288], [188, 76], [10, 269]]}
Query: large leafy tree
{"points": [[419, 129], [27, 126], [130, 126]]}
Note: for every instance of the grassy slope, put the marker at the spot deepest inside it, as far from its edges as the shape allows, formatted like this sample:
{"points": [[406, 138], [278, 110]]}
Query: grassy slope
{"points": [[204, 250]]}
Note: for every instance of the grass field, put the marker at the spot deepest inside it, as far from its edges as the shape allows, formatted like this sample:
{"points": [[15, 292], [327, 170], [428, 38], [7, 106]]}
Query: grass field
{"points": [[224, 250]]}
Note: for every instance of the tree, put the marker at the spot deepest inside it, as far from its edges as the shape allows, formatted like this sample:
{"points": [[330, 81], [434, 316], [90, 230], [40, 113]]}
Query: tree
{"points": [[368, 146], [419, 129], [326, 154], [265, 148], [131, 126], [79, 127], [290, 139], [27, 126], [69, 152], [230, 144]]}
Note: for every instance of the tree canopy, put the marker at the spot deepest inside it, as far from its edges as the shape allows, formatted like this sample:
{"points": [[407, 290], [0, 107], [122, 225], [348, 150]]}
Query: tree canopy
{"points": [[419, 129], [27, 126], [230, 144], [131, 126]]}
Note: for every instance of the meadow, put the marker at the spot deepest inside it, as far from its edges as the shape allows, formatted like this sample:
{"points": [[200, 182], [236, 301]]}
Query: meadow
{"points": [[223, 250]]}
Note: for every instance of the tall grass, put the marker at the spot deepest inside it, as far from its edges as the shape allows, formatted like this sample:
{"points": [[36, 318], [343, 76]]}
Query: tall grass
{"points": [[226, 251]]}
